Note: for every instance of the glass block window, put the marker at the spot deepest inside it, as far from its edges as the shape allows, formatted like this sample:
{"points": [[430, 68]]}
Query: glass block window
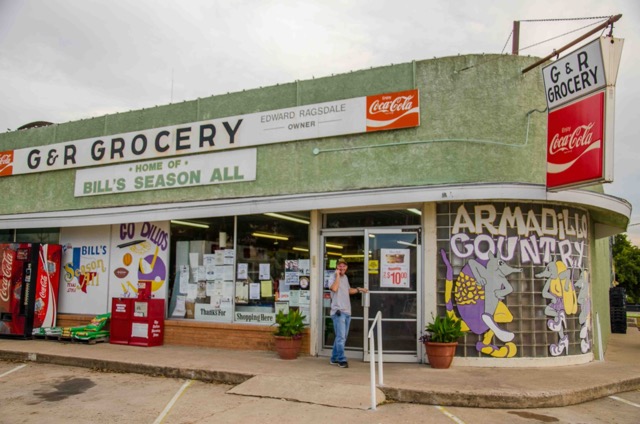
{"points": [[517, 275]]}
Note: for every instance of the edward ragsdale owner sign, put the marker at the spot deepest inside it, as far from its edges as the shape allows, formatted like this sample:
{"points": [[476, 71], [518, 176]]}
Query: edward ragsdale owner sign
{"points": [[349, 116]]}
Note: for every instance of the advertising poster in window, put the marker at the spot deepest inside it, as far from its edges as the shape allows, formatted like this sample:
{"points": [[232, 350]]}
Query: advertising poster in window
{"points": [[139, 253], [394, 268], [84, 281], [219, 306]]}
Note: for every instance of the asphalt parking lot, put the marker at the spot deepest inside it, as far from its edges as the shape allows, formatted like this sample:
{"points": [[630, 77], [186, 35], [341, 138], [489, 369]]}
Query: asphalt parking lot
{"points": [[37, 393]]}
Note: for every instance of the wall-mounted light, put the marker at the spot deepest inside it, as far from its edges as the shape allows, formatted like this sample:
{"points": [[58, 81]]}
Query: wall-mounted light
{"points": [[189, 224], [288, 218], [270, 236]]}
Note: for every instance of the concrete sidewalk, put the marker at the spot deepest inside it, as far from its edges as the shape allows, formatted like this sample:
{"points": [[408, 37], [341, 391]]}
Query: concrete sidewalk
{"points": [[313, 380]]}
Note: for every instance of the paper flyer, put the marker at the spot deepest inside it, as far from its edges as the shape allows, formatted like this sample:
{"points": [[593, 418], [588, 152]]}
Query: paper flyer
{"points": [[394, 267], [179, 311], [294, 298], [303, 267], [254, 291], [282, 306], [184, 278], [291, 265], [266, 288], [242, 292], [329, 278], [265, 272], [243, 272], [229, 257], [304, 298], [291, 278], [227, 272]]}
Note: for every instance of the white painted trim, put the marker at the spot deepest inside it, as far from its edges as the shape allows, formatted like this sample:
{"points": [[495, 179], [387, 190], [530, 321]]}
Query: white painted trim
{"points": [[313, 201], [317, 284], [430, 275]]}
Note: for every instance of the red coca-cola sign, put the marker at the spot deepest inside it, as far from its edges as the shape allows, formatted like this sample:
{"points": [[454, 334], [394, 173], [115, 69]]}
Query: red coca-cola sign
{"points": [[392, 111], [6, 163], [7, 260], [575, 143]]}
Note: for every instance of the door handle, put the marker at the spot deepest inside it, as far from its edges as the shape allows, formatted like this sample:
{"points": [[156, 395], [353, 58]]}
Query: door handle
{"points": [[365, 300]]}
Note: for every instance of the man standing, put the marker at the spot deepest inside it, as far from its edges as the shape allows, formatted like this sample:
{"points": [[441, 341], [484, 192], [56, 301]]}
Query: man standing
{"points": [[341, 312]]}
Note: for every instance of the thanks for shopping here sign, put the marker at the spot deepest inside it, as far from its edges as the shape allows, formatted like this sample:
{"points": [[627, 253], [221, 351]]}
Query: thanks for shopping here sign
{"points": [[350, 116]]}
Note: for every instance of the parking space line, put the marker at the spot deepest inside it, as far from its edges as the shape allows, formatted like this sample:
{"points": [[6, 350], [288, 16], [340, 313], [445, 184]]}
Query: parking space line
{"points": [[173, 400], [13, 370], [619, 399], [449, 414]]}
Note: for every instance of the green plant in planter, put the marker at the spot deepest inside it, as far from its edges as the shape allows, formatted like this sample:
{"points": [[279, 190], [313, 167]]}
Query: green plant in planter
{"points": [[442, 329], [290, 325]]}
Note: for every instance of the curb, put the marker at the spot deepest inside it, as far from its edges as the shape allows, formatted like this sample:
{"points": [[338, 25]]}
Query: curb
{"points": [[208, 376], [524, 400], [469, 398]]}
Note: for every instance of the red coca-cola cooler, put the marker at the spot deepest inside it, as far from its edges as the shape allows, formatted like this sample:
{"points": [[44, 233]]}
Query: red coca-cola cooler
{"points": [[29, 280]]}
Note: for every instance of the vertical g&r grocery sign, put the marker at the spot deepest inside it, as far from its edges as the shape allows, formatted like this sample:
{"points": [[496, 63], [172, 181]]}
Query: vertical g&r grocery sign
{"points": [[580, 92]]}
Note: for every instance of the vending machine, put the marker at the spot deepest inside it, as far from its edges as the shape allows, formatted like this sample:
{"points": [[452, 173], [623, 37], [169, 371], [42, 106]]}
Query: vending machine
{"points": [[29, 279]]}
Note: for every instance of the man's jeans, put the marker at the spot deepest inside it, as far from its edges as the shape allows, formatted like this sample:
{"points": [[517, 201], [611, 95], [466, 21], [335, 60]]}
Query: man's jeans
{"points": [[341, 330]]}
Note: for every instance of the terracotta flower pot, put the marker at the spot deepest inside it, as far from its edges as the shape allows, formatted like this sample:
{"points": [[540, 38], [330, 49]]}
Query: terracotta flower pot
{"points": [[288, 347], [440, 354]]}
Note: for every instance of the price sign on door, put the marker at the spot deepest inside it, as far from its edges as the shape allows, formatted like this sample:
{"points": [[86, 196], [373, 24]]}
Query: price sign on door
{"points": [[394, 268]]}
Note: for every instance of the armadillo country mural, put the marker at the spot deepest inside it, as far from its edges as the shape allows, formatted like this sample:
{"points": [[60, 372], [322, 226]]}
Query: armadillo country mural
{"points": [[517, 277]]}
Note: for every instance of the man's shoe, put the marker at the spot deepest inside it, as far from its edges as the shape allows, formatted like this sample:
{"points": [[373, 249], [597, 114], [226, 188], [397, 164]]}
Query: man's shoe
{"points": [[343, 364], [332, 362]]}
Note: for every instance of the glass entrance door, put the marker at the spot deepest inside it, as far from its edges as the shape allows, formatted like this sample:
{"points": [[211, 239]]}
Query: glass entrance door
{"points": [[392, 275], [387, 263], [349, 246]]}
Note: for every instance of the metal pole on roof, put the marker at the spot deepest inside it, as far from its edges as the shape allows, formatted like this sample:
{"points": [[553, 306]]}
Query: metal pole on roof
{"points": [[609, 21], [515, 43]]}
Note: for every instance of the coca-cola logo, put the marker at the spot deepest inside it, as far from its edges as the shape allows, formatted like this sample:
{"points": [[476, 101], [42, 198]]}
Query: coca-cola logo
{"points": [[5, 159], [581, 136], [44, 285], [7, 268], [398, 104]]}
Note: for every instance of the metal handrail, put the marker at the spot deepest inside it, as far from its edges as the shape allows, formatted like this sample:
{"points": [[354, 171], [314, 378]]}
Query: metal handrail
{"points": [[372, 350]]}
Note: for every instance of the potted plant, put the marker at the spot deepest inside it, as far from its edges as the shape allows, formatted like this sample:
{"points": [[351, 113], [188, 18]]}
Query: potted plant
{"points": [[441, 339], [288, 336]]}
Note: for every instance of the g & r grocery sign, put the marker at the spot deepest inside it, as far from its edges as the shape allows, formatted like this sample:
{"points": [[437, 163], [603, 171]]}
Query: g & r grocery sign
{"points": [[351, 116]]}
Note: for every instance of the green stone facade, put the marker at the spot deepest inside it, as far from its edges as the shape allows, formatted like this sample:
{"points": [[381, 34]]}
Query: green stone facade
{"points": [[471, 107]]}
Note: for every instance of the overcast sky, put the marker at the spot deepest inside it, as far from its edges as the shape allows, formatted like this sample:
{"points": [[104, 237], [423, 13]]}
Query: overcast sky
{"points": [[68, 60]]}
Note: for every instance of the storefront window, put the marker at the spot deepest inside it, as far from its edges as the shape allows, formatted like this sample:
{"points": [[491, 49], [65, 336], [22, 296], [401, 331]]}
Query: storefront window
{"points": [[201, 274], [368, 219], [272, 266], [239, 269], [38, 235], [6, 236]]}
